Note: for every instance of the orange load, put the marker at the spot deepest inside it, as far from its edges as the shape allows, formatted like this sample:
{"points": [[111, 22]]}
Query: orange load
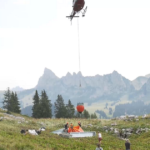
{"points": [[75, 129], [80, 107]]}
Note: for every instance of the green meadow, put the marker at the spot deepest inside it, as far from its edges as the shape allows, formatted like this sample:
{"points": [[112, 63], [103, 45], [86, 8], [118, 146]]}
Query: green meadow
{"points": [[12, 139]]}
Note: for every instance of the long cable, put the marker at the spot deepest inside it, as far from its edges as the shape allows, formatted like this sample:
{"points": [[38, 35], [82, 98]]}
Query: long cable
{"points": [[79, 50]]}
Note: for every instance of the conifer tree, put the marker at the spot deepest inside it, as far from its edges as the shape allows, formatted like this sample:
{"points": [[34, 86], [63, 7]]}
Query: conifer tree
{"points": [[93, 116], [86, 114], [36, 107], [45, 106], [60, 109], [7, 100], [70, 110], [16, 104], [11, 102]]}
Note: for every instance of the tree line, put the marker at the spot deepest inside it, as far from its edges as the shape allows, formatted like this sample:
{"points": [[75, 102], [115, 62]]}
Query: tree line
{"points": [[134, 108], [11, 102], [42, 106]]}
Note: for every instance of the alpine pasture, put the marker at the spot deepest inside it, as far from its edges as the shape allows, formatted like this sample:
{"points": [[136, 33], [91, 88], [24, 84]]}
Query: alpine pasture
{"points": [[12, 139]]}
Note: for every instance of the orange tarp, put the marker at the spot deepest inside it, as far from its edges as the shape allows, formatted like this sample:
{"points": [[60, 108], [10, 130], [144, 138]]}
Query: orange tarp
{"points": [[75, 129]]}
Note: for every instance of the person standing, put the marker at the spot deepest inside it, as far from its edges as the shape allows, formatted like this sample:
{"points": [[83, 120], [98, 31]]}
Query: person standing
{"points": [[71, 126], [120, 133], [98, 147], [125, 135], [66, 127], [99, 137], [79, 123], [127, 145]]}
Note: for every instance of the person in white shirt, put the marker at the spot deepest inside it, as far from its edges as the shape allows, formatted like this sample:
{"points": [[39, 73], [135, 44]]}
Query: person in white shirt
{"points": [[99, 137], [32, 132]]}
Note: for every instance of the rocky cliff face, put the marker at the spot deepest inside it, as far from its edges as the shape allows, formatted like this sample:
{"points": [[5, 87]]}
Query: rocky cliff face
{"points": [[47, 80], [146, 88], [139, 82], [93, 88], [143, 93]]}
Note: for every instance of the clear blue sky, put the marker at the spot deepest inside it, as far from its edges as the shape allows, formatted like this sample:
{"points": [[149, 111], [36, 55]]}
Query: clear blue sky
{"points": [[34, 34]]}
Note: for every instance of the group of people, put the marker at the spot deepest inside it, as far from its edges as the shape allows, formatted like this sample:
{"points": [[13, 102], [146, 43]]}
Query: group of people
{"points": [[127, 143], [32, 132], [122, 135], [71, 126], [37, 132]]}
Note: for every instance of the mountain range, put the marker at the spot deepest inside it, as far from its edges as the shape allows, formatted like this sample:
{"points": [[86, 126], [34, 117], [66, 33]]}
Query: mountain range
{"points": [[93, 89]]}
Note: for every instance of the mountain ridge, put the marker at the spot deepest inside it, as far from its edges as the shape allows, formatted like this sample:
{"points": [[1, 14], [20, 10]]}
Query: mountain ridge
{"points": [[93, 89]]}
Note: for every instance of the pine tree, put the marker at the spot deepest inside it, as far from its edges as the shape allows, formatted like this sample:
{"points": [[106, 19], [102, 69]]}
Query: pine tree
{"points": [[60, 109], [93, 116], [70, 110], [12, 102], [16, 104], [86, 114], [36, 107], [7, 100], [45, 106]]}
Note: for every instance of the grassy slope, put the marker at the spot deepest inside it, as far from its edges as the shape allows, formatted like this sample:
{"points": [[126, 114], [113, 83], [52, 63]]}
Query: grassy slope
{"points": [[11, 139]]}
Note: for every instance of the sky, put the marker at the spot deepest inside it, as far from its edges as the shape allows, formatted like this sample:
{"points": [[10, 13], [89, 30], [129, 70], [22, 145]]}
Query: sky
{"points": [[35, 34]]}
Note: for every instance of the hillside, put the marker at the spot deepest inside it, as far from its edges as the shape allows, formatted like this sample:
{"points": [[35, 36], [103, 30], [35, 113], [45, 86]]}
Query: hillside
{"points": [[11, 138]]}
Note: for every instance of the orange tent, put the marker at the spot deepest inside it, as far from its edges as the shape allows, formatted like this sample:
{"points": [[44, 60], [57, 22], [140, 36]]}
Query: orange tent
{"points": [[75, 129]]}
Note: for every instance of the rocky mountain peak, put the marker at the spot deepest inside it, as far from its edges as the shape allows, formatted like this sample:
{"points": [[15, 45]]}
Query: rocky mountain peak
{"points": [[68, 74], [48, 73], [115, 72], [117, 78], [47, 79], [79, 73]]}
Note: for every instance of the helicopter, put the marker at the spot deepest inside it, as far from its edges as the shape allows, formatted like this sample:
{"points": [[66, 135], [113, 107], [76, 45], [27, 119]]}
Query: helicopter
{"points": [[77, 7]]}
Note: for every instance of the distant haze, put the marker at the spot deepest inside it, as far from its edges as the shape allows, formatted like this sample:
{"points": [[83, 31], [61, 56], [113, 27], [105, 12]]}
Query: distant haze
{"points": [[114, 35], [94, 92]]}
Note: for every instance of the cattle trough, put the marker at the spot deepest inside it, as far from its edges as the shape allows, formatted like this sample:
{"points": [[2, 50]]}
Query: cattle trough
{"points": [[61, 133]]}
